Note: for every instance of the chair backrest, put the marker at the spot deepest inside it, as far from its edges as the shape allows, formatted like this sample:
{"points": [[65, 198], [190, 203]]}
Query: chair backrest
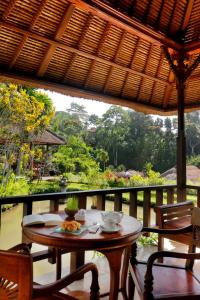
{"points": [[16, 276], [169, 213], [195, 220]]}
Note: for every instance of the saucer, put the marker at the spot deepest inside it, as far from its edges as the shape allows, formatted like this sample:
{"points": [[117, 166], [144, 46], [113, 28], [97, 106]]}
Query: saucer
{"points": [[110, 229]]}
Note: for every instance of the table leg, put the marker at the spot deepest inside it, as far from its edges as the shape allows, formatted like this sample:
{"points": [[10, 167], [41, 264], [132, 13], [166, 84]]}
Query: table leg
{"points": [[124, 273], [114, 259]]}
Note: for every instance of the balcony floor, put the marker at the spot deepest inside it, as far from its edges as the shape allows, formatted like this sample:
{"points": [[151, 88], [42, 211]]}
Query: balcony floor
{"points": [[45, 272]]}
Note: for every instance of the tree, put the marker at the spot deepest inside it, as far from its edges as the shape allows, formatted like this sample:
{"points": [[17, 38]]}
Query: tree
{"points": [[75, 157], [24, 113], [111, 132], [102, 157]]}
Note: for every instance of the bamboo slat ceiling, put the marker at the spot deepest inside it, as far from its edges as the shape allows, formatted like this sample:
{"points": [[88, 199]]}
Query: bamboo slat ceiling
{"points": [[108, 50]]}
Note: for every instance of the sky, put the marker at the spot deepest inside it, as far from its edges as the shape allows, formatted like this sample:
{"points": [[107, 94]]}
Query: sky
{"points": [[62, 102]]}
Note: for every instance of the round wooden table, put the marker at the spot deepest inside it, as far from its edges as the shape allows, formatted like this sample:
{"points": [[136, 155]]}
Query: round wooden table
{"points": [[112, 245]]}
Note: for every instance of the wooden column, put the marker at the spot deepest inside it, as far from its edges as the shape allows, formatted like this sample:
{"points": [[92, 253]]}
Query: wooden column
{"points": [[182, 70], [181, 142]]}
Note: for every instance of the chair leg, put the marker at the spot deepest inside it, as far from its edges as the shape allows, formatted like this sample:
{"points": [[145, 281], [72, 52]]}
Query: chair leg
{"points": [[160, 247], [131, 287]]}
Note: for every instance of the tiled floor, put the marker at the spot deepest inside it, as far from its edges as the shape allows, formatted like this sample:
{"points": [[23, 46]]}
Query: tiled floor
{"points": [[44, 272]]}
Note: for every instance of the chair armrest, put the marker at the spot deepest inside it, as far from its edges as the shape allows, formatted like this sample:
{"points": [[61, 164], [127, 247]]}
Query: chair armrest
{"points": [[182, 230], [149, 274], [22, 248], [43, 290], [173, 205]]}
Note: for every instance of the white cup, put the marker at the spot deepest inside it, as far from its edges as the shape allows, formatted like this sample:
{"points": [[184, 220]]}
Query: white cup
{"points": [[109, 223]]}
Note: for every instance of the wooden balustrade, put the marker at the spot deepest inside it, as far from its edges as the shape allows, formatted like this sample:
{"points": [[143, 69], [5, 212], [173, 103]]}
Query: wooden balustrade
{"points": [[147, 197], [159, 194]]}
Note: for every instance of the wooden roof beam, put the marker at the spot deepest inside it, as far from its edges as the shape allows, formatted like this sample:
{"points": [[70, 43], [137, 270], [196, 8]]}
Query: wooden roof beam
{"points": [[100, 45], [148, 59], [187, 16], [76, 92], [64, 22], [192, 47], [77, 51], [8, 9], [157, 73], [25, 37], [81, 40], [109, 14], [131, 66], [157, 22], [123, 36], [59, 32]]}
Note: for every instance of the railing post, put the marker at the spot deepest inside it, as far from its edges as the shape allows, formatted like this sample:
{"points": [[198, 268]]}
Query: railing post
{"points": [[0, 216], [147, 209], [78, 258], [181, 194], [54, 205], [198, 198], [170, 196], [118, 202], [27, 208], [133, 204], [101, 199], [82, 202], [159, 201]]}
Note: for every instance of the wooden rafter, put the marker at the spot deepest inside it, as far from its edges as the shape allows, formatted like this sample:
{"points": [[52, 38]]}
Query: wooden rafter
{"points": [[115, 60], [26, 35], [157, 22], [46, 60], [85, 30], [131, 66], [59, 32], [132, 7], [172, 16], [18, 51], [146, 13], [77, 51], [64, 22], [187, 15], [8, 10], [100, 45], [81, 40], [192, 47], [157, 74], [37, 14], [124, 22], [148, 59]]}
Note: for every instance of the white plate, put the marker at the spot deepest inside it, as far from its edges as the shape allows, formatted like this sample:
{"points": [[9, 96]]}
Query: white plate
{"points": [[110, 229]]}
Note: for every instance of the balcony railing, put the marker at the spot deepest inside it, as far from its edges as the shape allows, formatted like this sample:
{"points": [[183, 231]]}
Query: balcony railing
{"points": [[135, 196], [147, 197]]}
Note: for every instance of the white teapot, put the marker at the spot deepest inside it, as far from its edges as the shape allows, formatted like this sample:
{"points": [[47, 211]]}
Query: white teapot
{"points": [[112, 216]]}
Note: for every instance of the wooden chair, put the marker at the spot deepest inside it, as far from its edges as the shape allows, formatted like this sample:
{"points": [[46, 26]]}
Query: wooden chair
{"points": [[174, 216], [16, 278], [164, 282]]}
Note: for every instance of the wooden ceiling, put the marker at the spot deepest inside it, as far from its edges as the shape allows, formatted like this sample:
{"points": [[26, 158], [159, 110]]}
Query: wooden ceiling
{"points": [[108, 50]]}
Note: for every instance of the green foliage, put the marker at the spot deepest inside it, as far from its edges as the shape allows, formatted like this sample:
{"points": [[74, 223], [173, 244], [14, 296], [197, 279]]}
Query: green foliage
{"points": [[14, 186], [72, 203], [152, 240], [43, 187], [75, 157], [194, 160]]}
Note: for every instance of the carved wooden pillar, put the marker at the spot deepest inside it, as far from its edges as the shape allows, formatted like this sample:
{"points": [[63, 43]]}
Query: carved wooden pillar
{"points": [[181, 72], [181, 143]]}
